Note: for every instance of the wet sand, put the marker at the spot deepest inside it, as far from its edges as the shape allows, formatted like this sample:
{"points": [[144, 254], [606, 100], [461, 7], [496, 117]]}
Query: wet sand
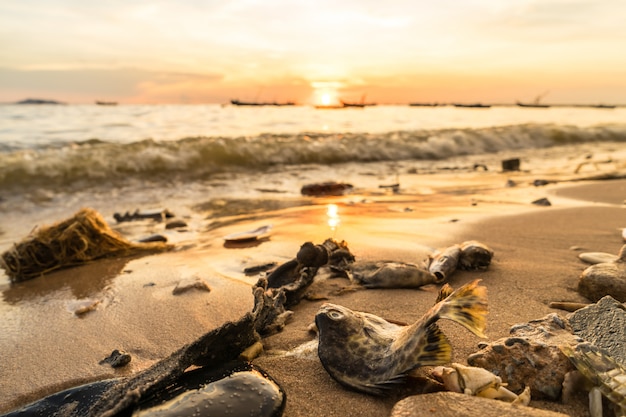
{"points": [[46, 347]]}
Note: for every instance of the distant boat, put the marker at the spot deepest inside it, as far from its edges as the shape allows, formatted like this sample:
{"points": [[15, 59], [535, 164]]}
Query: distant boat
{"points": [[106, 103], [424, 104], [261, 103], [603, 106], [475, 105], [535, 103]]}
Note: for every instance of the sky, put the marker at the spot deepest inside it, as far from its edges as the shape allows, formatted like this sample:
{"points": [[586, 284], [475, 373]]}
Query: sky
{"points": [[396, 51]]}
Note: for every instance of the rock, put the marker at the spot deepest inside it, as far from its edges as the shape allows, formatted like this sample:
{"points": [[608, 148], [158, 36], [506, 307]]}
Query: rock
{"points": [[604, 325], [512, 164], [452, 404], [176, 224], [188, 284], [542, 202], [530, 356], [117, 359], [326, 188], [605, 279]]}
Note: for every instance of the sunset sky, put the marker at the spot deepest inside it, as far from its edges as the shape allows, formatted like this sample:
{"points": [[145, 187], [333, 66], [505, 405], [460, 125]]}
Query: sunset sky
{"points": [[398, 51]]}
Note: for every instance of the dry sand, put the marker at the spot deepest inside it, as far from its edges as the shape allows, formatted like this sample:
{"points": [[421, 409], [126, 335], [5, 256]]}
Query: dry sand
{"points": [[45, 347]]}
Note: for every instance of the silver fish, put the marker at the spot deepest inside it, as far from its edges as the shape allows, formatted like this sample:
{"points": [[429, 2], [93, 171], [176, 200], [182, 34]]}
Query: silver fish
{"points": [[474, 255], [369, 354], [444, 263], [389, 274]]}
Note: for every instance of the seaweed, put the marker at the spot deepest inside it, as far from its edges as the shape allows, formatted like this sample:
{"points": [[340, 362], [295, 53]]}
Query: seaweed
{"points": [[82, 238]]}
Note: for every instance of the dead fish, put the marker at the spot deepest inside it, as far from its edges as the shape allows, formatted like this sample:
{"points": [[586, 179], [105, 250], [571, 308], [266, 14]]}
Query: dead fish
{"points": [[474, 255], [444, 263], [605, 374], [389, 274], [369, 354]]}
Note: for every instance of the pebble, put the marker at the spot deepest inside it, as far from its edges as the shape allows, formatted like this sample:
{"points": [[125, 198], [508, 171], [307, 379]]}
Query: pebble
{"points": [[188, 284], [117, 359]]}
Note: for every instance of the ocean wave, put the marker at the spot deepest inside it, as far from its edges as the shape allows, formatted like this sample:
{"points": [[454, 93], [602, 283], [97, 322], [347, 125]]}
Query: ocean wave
{"points": [[94, 161]]}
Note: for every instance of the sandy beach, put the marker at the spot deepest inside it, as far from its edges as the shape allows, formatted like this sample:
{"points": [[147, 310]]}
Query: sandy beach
{"points": [[46, 347]]}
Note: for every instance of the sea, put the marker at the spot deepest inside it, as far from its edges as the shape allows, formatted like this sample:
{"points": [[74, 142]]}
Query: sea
{"points": [[55, 159]]}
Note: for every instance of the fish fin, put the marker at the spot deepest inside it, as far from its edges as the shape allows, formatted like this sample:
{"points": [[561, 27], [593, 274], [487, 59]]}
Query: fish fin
{"points": [[590, 360], [435, 348], [444, 292], [466, 306]]}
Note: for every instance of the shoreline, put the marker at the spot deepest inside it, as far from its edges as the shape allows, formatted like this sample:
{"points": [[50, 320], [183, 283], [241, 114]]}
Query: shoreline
{"points": [[533, 264]]}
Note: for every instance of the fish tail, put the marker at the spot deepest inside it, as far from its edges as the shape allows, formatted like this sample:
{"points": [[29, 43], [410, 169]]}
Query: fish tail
{"points": [[466, 306], [435, 348]]}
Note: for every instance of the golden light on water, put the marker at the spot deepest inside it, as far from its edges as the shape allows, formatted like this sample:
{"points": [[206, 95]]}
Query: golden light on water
{"points": [[332, 212]]}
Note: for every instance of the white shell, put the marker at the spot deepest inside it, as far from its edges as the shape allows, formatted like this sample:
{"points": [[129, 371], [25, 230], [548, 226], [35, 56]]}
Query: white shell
{"points": [[258, 233], [597, 257]]}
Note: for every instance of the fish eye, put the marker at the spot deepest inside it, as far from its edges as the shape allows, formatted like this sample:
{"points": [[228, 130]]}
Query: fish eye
{"points": [[335, 315]]}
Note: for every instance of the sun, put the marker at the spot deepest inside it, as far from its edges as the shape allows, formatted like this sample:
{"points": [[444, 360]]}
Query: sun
{"points": [[326, 99]]}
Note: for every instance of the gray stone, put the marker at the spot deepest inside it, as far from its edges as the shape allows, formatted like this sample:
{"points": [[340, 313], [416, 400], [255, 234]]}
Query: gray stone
{"points": [[453, 404], [604, 325]]}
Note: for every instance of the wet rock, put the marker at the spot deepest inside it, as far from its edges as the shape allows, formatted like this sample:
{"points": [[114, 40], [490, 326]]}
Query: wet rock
{"points": [[530, 356], [176, 224], [153, 238], [512, 164], [452, 404], [542, 202], [117, 359], [604, 279], [326, 188], [604, 325]]}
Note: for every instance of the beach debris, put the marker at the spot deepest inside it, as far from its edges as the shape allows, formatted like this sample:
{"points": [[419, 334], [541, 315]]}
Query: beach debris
{"points": [[444, 262], [512, 164], [261, 232], [624, 233], [454, 404], [369, 354], [483, 167], [530, 356], [295, 276], [191, 283], [330, 188], [82, 307], [603, 324], [156, 215], [510, 183], [394, 188], [238, 389], [82, 238], [480, 382], [117, 359], [389, 274], [607, 376], [469, 255], [253, 270], [474, 255], [608, 278]]}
